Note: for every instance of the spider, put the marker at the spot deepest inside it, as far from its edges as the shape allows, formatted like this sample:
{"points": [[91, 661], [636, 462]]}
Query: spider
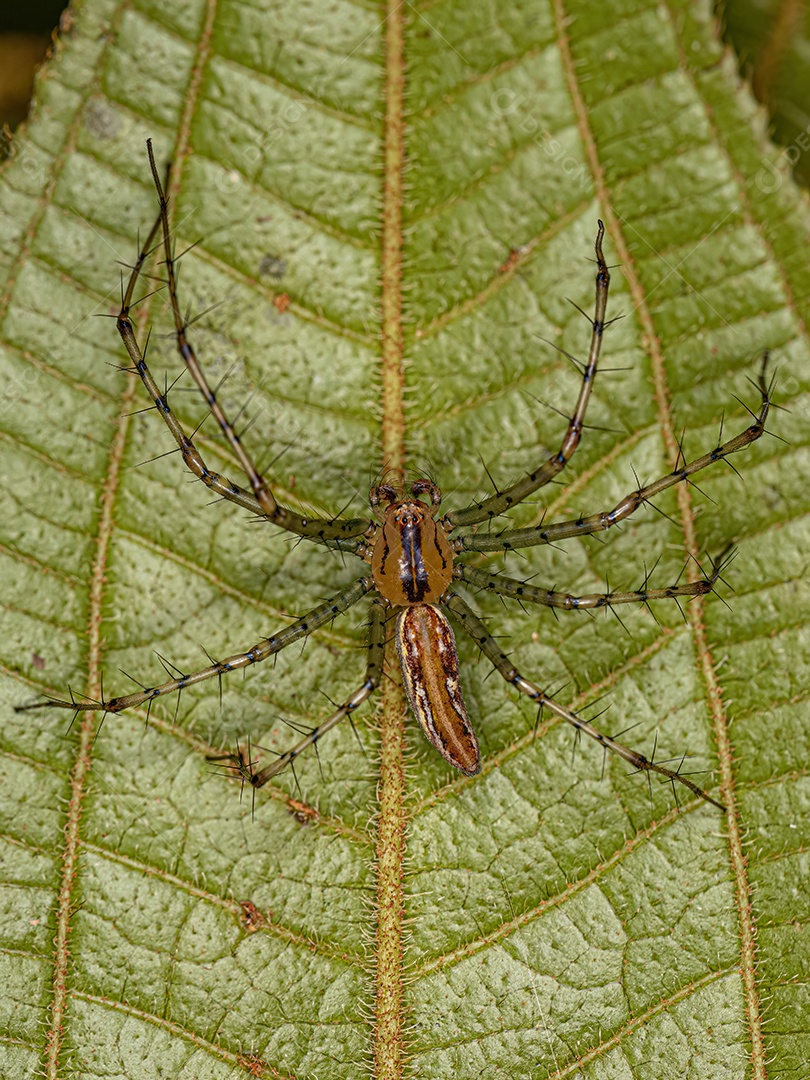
{"points": [[411, 548]]}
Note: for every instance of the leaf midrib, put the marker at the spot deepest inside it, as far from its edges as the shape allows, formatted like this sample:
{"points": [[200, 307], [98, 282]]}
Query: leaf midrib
{"points": [[391, 815]]}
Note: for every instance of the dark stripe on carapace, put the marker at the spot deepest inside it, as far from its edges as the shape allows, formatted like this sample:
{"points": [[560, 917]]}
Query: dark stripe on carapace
{"points": [[427, 653], [413, 573]]}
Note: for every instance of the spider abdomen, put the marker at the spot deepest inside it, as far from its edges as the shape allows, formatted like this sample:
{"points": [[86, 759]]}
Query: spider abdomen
{"points": [[429, 659]]}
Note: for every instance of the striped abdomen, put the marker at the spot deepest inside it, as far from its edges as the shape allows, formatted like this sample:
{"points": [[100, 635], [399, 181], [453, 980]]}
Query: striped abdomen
{"points": [[427, 653]]}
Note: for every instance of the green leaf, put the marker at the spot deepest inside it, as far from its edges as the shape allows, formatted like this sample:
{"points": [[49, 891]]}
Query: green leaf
{"points": [[376, 915]]}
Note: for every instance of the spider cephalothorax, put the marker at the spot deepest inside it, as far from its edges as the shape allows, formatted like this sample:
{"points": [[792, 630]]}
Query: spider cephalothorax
{"points": [[415, 566], [411, 557]]}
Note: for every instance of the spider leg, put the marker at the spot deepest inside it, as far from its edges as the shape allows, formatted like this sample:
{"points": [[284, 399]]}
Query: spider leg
{"points": [[521, 590], [324, 613], [262, 502], [505, 500], [374, 667], [219, 484], [585, 526], [489, 646]]}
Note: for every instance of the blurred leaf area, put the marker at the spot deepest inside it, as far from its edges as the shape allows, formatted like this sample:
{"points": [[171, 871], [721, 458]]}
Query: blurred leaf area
{"points": [[772, 41]]}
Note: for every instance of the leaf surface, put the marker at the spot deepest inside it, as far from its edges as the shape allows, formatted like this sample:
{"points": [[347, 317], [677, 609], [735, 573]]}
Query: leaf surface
{"points": [[369, 296]]}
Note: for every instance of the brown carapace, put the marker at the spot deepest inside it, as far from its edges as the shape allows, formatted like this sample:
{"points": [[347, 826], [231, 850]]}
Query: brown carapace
{"points": [[414, 557]]}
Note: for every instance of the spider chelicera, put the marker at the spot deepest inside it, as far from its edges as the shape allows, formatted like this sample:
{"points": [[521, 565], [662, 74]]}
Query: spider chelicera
{"points": [[412, 549]]}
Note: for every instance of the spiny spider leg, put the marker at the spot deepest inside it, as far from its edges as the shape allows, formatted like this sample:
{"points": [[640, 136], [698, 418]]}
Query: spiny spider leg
{"points": [[489, 646], [219, 484], [318, 529], [320, 615], [593, 523], [521, 590], [374, 667], [505, 500]]}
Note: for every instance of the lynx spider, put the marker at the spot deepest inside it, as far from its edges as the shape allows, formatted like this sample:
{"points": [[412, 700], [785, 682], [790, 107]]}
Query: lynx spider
{"points": [[413, 558]]}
